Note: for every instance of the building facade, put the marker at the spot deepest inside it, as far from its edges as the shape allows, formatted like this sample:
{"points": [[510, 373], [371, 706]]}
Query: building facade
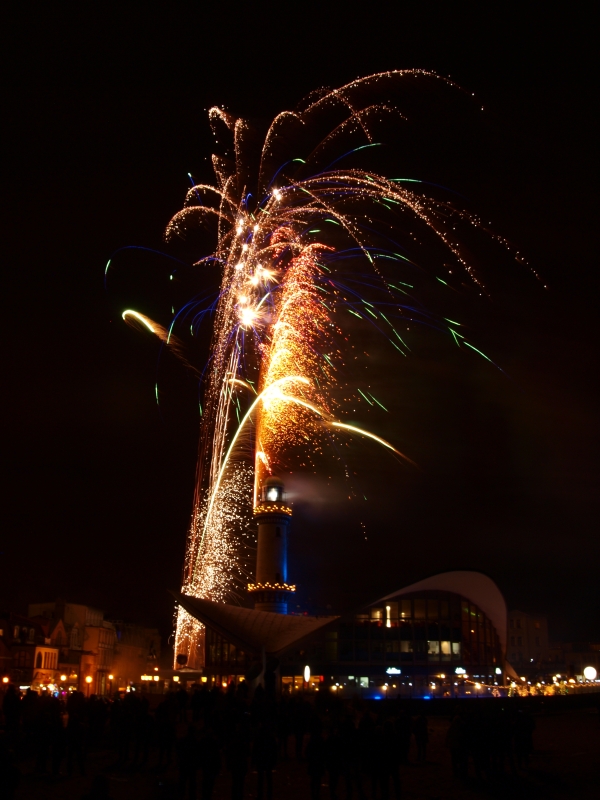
{"points": [[528, 645], [30, 656]]}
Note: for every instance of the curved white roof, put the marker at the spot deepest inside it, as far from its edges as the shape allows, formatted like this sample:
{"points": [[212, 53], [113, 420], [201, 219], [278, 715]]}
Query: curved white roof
{"points": [[253, 630], [475, 586]]}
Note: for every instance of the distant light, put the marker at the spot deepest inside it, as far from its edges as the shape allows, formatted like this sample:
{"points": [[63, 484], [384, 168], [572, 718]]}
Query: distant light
{"points": [[63, 677], [306, 674], [460, 671], [89, 679], [590, 673], [111, 677], [393, 671], [176, 678], [498, 671], [5, 680], [157, 677]]}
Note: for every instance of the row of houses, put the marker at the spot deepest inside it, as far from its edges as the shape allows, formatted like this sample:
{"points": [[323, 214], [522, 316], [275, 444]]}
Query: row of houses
{"points": [[70, 646]]}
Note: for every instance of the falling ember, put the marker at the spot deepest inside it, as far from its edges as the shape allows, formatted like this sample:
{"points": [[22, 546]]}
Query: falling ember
{"points": [[287, 224]]}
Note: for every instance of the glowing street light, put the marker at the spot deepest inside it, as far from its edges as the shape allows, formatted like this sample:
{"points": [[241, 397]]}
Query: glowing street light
{"points": [[590, 673]]}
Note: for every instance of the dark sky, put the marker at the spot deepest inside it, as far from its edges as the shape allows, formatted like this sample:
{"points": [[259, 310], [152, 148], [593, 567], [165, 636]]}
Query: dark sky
{"points": [[104, 115]]}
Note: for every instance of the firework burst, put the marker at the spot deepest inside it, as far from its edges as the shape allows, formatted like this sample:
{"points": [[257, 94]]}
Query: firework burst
{"points": [[289, 221]]}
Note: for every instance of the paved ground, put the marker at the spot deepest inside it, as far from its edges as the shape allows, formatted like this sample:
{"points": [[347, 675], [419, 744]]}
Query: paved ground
{"points": [[566, 764]]}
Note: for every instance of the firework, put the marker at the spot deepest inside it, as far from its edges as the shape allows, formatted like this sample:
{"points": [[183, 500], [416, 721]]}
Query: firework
{"points": [[289, 220]]}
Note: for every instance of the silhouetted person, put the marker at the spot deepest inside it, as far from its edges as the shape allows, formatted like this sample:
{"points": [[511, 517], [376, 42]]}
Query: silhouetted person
{"points": [[524, 726], [182, 704], [11, 707], [299, 719], [58, 735], [389, 772], [456, 742], [283, 726], [264, 758], [421, 736], [404, 731], [210, 761], [315, 761], [351, 759], [76, 733], [166, 730], [366, 748], [237, 753], [334, 760], [188, 763], [100, 789], [9, 773]]}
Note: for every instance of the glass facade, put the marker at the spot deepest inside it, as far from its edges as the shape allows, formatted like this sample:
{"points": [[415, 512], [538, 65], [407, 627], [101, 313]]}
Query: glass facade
{"points": [[224, 662], [407, 644], [403, 646]]}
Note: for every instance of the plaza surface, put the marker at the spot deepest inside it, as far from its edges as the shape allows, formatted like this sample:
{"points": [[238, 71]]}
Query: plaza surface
{"points": [[565, 764]]}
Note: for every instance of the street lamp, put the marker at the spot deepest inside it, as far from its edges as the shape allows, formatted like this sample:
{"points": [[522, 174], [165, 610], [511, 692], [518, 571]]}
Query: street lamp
{"points": [[88, 680], [110, 678]]}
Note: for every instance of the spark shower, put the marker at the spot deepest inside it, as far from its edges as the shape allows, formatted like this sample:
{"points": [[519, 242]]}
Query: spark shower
{"points": [[310, 244]]}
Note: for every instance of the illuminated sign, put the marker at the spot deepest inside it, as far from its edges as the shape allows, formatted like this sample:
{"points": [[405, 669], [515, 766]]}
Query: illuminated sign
{"points": [[393, 671]]}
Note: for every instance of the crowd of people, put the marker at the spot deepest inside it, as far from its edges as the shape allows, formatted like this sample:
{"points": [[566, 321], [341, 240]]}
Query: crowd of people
{"points": [[355, 749]]}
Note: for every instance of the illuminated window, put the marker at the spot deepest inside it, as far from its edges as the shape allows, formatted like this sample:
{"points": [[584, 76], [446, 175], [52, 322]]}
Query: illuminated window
{"points": [[445, 648]]}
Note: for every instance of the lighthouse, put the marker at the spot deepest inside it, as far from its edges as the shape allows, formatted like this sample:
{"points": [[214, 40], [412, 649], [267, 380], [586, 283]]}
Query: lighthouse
{"points": [[271, 590]]}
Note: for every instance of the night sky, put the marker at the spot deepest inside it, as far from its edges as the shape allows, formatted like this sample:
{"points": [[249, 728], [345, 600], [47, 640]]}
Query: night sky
{"points": [[104, 116]]}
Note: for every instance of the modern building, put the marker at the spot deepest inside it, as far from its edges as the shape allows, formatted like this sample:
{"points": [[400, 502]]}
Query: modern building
{"points": [[446, 634]]}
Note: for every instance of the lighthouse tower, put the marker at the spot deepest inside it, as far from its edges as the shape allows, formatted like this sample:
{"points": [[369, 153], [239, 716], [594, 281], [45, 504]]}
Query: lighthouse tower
{"points": [[271, 590]]}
